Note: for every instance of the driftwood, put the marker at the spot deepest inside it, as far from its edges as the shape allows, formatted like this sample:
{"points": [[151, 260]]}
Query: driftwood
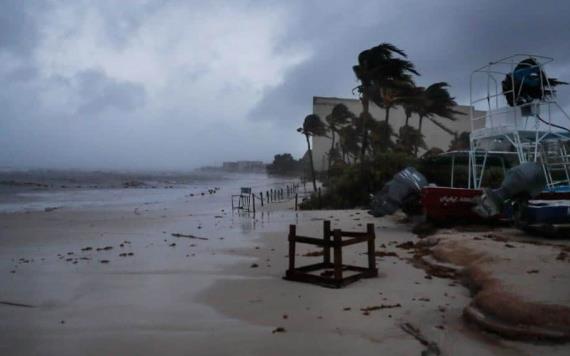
{"points": [[432, 348], [189, 236], [17, 304]]}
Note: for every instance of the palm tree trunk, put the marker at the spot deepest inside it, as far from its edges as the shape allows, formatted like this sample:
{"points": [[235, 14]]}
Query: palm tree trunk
{"points": [[387, 117], [407, 120], [311, 162], [420, 130], [365, 110], [331, 150]]}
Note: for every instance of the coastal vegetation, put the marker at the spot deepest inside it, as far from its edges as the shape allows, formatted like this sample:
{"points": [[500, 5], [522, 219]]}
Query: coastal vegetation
{"points": [[366, 152], [284, 164]]}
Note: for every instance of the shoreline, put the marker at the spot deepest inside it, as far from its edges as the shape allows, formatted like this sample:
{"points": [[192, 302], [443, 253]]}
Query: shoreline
{"points": [[204, 296]]}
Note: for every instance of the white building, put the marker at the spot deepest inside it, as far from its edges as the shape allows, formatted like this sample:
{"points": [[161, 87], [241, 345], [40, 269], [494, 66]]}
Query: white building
{"points": [[434, 135]]}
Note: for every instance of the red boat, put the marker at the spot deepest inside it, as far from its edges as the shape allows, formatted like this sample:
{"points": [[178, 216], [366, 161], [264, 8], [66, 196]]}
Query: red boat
{"points": [[521, 121], [443, 204]]}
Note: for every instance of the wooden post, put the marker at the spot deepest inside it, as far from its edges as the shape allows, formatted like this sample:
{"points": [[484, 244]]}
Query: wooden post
{"points": [[371, 247], [267, 196], [253, 201], [261, 198], [320, 203], [337, 247], [327, 238], [292, 234], [296, 197]]}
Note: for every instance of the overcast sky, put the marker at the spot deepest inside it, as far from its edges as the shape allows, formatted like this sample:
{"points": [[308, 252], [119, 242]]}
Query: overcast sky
{"points": [[160, 84]]}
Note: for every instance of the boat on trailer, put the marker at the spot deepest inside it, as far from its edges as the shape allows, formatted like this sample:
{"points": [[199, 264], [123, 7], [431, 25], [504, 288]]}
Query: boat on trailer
{"points": [[515, 118]]}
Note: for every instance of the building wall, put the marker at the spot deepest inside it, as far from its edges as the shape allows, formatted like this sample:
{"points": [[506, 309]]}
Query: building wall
{"points": [[433, 135]]}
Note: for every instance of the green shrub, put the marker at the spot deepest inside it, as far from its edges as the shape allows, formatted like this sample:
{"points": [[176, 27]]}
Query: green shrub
{"points": [[350, 186]]}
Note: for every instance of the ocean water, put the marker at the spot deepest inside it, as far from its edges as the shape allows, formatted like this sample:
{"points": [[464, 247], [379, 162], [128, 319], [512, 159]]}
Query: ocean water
{"points": [[41, 191]]}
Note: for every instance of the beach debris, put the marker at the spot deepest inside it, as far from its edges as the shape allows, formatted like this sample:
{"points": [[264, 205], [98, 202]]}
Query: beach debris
{"points": [[189, 236], [386, 254], [347, 308], [133, 184], [285, 316], [424, 229], [14, 304], [432, 348], [172, 244], [380, 307], [406, 245], [254, 265], [104, 261], [106, 248], [51, 208], [278, 329], [87, 248]]}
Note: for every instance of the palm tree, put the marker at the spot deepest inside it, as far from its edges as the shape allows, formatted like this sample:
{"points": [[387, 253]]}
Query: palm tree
{"points": [[337, 119], [435, 100], [381, 136], [348, 137], [409, 139], [312, 126], [414, 101], [379, 73]]}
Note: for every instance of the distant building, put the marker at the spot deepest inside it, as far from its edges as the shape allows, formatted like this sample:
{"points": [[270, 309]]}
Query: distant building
{"points": [[230, 166], [244, 166], [434, 136]]}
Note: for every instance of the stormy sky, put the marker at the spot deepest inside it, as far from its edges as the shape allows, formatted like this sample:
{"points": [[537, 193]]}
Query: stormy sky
{"points": [[158, 84]]}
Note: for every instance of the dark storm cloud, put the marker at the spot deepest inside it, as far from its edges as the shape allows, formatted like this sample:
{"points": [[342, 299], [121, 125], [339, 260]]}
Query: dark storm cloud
{"points": [[18, 29], [148, 84], [99, 93], [445, 39]]}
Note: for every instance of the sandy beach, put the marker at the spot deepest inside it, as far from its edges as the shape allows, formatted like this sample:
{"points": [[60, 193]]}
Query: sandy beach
{"points": [[111, 279]]}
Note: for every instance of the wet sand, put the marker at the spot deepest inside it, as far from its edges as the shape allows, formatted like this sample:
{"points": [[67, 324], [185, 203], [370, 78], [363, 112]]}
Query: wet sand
{"points": [[184, 296]]}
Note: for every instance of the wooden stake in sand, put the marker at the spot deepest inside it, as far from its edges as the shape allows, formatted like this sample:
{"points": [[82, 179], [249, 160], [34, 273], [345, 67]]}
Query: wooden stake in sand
{"points": [[432, 348], [189, 236], [16, 304]]}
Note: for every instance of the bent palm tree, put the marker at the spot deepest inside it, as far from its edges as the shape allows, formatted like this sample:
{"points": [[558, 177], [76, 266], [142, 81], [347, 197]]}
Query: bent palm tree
{"points": [[312, 126], [379, 72], [437, 102]]}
